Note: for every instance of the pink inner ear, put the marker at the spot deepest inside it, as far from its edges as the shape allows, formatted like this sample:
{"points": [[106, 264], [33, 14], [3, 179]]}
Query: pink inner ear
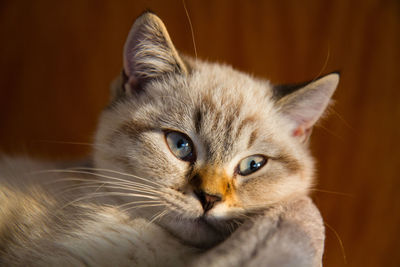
{"points": [[299, 131], [302, 133], [302, 127]]}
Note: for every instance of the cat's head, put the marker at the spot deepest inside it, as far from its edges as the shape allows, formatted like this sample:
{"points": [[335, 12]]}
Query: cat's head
{"points": [[206, 142]]}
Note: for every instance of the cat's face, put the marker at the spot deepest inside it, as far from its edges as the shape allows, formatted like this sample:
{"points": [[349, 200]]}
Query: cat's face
{"points": [[202, 143]]}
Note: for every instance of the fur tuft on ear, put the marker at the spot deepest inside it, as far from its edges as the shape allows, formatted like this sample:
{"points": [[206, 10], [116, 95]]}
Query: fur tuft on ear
{"points": [[304, 104], [149, 52]]}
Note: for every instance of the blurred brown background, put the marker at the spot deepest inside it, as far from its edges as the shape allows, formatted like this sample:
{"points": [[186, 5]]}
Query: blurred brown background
{"points": [[57, 59]]}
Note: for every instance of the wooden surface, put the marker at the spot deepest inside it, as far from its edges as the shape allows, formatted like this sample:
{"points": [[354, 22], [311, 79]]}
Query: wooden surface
{"points": [[57, 59]]}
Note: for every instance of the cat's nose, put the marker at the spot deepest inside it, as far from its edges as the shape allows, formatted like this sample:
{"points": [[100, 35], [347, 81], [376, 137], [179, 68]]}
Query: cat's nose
{"points": [[207, 200]]}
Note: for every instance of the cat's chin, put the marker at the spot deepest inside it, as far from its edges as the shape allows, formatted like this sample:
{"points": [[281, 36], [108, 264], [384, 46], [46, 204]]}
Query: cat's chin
{"points": [[199, 232]]}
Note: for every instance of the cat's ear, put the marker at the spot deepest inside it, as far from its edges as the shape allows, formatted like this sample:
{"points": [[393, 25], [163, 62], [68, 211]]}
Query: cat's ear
{"points": [[305, 103], [149, 53]]}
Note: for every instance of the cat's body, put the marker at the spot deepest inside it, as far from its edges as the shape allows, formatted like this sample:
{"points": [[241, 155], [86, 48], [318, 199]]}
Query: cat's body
{"points": [[186, 154]]}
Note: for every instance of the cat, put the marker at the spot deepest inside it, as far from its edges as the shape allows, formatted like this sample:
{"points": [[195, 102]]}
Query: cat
{"points": [[193, 163]]}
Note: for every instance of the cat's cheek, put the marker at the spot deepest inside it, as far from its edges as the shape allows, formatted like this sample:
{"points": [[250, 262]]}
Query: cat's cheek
{"points": [[262, 194]]}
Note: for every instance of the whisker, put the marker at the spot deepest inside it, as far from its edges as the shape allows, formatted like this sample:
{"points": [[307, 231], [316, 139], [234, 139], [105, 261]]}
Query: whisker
{"points": [[325, 64], [94, 181], [96, 174], [122, 194], [140, 202], [81, 186], [64, 142], [130, 188], [159, 216], [117, 172], [191, 27], [99, 187], [89, 181], [343, 120], [103, 194], [340, 242], [332, 192], [330, 132], [109, 185]]}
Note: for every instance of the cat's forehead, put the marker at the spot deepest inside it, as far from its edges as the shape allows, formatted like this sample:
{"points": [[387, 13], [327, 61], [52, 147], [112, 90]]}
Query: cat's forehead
{"points": [[222, 81], [223, 89], [215, 93]]}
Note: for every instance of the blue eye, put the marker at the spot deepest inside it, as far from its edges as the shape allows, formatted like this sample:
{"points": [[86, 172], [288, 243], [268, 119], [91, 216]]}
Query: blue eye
{"points": [[180, 145], [251, 164]]}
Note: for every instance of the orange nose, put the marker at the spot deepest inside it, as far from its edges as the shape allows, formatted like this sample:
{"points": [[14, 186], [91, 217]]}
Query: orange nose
{"points": [[211, 185]]}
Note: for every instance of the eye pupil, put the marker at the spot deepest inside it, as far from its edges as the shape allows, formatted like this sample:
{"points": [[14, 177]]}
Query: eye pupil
{"points": [[254, 165], [251, 164], [181, 143]]}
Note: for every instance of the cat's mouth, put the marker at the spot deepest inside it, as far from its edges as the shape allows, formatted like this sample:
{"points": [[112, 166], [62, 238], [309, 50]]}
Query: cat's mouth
{"points": [[210, 221], [202, 232], [205, 220]]}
